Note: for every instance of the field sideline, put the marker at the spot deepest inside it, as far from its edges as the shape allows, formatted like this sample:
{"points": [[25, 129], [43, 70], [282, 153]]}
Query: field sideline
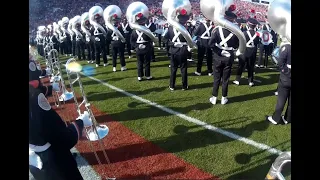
{"points": [[210, 151]]}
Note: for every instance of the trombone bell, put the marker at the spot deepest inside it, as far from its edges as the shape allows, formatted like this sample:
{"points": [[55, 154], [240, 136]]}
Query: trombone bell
{"points": [[102, 130]]}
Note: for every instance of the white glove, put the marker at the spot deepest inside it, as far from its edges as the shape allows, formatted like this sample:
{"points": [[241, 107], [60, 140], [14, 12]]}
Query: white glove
{"points": [[87, 39], [115, 38], [55, 87], [141, 46], [225, 53], [153, 44], [87, 122], [189, 49], [97, 39], [48, 71]]}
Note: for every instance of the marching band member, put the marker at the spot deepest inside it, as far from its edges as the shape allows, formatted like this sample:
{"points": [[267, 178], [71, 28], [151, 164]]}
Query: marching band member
{"points": [[266, 40], [127, 34], [179, 48], [141, 41], [250, 54], [203, 34], [150, 25], [99, 32], [223, 42], [281, 23], [65, 38], [112, 21], [76, 27], [284, 85], [40, 40], [88, 29], [50, 138], [55, 38], [165, 30], [72, 37]]}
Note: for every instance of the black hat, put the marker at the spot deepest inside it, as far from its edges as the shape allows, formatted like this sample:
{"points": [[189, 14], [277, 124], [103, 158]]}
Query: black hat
{"points": [[252, 21], [230, 14]]}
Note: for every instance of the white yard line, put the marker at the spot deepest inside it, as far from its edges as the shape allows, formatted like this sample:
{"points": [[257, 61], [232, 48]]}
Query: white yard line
{"points": [[192, 120]]}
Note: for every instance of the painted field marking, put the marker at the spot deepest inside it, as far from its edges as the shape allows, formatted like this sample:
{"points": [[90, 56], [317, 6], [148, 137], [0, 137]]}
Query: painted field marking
{"points": [[191, 119]]}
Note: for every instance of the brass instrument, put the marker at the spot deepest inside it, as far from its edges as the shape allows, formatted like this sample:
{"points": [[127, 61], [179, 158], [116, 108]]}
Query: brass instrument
{"points": [[215, 11], [96, 132], [171, 9], [135, 9], [111, 13]]}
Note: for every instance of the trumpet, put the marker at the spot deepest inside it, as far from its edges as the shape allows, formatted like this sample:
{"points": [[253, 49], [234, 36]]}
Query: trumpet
{"points": [[96, 132]]}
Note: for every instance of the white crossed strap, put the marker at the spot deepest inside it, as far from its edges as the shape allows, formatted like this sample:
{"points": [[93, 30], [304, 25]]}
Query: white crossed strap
{"points": [[50, 39], [124, 28], [206, 34], [96, 31], [140, 38], [223, 44], [176, 39], [148, 26], [251, 39]]}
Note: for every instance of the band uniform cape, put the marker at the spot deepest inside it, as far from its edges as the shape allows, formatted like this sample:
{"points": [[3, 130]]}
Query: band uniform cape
{"points": [[50, 141]]}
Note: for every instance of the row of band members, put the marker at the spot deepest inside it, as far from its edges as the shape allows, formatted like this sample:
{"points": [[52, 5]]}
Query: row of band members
{"points": [[177, 49]]}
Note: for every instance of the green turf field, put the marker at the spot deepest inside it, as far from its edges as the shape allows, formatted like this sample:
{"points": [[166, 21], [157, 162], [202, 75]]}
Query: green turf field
{"points": [[212, 152]]}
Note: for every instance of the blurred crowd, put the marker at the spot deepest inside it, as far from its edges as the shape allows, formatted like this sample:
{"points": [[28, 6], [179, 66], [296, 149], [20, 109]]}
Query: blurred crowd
{"points": [[44, 12]]}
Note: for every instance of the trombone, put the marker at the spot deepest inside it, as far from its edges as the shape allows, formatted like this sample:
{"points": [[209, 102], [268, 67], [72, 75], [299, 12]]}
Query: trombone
{"points": [[54, 63], [95, 132]]}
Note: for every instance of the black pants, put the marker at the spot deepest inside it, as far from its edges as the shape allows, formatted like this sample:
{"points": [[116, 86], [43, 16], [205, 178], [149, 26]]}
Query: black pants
{"points": [[100, 48], [56, 46], [128, 46], [222, 70], [91, 50], [176, 61], [108, 48], [115, 51], [62, 48], [201, 51], [167, 49], [69, 47], [284, 95], [163, 44], [264, 50], [153, 57], [80, 50], [40, 50], [249, 62], [143, 60], [74, 47]]}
